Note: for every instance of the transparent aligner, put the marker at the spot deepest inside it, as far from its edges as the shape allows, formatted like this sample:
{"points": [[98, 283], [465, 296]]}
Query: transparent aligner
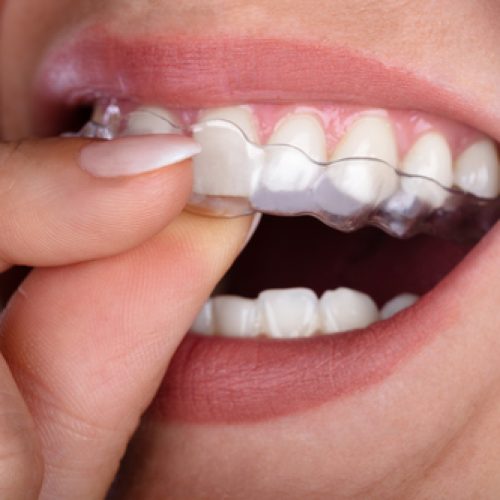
{"points": [[234, 176]]}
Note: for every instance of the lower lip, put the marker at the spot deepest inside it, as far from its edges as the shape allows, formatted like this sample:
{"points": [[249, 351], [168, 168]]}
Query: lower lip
{"points": [[223, 380]]}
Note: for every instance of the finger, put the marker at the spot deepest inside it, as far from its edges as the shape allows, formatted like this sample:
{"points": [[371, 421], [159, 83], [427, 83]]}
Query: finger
{"points": [[21, 465], [91, 343], [68, 200]]}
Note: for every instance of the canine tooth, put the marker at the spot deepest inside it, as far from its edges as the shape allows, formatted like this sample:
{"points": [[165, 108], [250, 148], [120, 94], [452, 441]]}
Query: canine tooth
{"points": [[223, 151], [289, 313], [151, 120], [477, 169], [344, 309], [288, 169], [397, 304], [429, 157], [204, 321], [351, 184], [235, 316]]}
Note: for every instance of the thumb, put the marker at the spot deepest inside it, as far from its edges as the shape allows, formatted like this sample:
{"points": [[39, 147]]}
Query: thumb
{"points": [[89, 344], [69, 200]]}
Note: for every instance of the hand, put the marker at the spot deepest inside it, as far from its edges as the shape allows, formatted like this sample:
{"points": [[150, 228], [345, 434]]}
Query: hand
{"points": [[87, 336]]}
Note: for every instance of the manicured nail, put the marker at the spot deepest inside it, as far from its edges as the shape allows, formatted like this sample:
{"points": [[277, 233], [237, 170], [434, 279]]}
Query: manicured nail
{"points": [[253, 227], [135, 155]]}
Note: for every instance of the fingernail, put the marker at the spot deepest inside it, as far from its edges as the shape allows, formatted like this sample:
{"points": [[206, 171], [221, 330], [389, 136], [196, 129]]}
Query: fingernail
{"points": [[136, 155], [253, 227]]}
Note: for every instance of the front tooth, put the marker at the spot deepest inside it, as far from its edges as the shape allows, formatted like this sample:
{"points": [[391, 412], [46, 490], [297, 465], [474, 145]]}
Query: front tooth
{"points": [[235, 316], [477, 170], [370, 136], [288, 169], [397, 304], [289, 313], [204, 321], [151, 120], [429, 157], [344, 309], [351, 184], [224, 168]]}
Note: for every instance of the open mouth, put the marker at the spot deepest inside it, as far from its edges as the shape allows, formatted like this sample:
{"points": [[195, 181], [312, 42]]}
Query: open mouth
{"points": [[308, 313]]}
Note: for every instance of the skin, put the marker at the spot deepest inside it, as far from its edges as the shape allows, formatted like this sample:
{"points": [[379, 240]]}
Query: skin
{"points": [[78, 387]]}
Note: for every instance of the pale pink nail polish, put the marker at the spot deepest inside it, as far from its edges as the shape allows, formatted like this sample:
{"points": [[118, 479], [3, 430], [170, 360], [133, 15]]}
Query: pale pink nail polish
{"points": [[135, 155]]}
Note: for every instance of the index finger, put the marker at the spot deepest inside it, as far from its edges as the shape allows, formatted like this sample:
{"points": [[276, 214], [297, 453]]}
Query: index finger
{"points": [[68, 200]]}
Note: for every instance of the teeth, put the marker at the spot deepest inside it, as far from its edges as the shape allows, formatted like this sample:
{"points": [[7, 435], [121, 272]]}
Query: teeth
{"points": [[222, 149], [350, 185], [204, 322], [288, 169], [397, 304], [477, 170], [286, 313], [370, 136], [151, 120], [344, 309], [236, 316], [289, 313], [430, 157], [241, 116]]}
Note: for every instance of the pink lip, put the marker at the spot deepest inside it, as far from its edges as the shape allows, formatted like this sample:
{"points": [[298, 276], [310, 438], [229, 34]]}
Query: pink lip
{"points": [[207, 71], [224, 380]]}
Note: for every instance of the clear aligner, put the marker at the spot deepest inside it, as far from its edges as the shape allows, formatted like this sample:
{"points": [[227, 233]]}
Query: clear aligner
{"points": [[234, 176]]}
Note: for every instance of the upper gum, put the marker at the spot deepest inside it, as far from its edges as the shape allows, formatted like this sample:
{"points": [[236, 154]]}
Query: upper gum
{"points": [[336, 119]]}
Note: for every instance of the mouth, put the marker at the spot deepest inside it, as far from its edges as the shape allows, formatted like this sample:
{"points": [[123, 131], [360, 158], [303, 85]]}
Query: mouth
{"points": [[308, 314]]}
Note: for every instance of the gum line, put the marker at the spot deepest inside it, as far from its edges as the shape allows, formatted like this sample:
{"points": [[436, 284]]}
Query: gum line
{"points": [[451, 213], [337, 118]]}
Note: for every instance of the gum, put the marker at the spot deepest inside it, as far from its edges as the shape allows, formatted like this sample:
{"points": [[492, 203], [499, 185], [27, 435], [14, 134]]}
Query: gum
{"points": [[336, 119], [458, 215]]}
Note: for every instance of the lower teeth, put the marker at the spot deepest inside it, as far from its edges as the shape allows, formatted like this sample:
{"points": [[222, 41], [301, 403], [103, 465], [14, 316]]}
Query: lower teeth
{"points": [[346, 194], [294, 313]]}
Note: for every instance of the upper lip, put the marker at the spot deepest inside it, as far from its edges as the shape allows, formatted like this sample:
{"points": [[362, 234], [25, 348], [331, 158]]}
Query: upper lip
{"points": [[173, 70]]}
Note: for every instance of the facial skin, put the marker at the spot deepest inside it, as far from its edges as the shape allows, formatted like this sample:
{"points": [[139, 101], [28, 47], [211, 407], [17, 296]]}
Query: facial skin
{"points": [[430, 430]]}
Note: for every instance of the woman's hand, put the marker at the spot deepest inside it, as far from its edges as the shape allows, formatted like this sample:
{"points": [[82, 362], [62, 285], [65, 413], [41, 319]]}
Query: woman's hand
{"points": [[86, 341]]}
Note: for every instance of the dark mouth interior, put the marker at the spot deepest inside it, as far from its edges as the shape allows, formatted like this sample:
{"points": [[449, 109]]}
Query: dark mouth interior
{"points": [[303, 252]]}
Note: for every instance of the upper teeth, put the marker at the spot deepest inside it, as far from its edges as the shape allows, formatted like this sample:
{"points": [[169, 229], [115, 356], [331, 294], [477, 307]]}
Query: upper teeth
{"points": [[289, 169], [151, 120], [222, 149], [293, 313], [231, 166], [430, 156], [476, 169]]}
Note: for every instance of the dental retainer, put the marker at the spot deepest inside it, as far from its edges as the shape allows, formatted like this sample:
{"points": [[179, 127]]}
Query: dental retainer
{"points": [[234, 176]]}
